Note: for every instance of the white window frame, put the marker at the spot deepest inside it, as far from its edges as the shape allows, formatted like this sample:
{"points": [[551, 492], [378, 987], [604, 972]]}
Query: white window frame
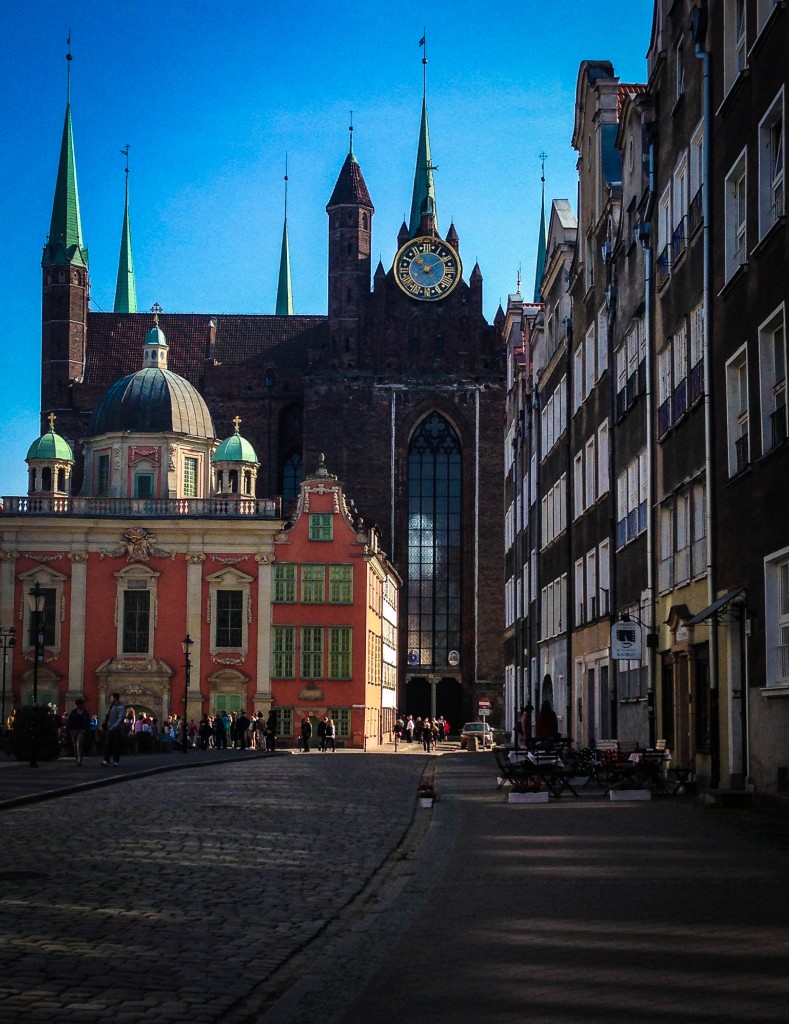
{"points": [[590, 473], [776, 618], [772, 163], [136, 577], [589, 360], [772, 377], [736, 215], [602, 459], [578, 485], [230, 579], [737, 407], [602, 341], [578, 378], [603, 577]]}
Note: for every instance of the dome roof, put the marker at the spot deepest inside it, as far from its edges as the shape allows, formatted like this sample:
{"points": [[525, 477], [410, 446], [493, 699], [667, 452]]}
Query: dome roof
{"points": [[51, 446], [153, 401], [235, 449]]}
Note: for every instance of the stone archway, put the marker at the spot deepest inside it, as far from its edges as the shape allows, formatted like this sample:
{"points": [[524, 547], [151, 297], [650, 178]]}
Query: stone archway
{"points": [[144, 681]]}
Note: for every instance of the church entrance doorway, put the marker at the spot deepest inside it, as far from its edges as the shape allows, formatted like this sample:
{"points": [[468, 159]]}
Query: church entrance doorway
{"points": [[417, 697], [449, 702]]}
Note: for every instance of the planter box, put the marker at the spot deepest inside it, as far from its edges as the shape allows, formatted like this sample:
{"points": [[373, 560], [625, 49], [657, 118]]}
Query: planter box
{"points": [[528, 798], [425, 801], [629, 794]]}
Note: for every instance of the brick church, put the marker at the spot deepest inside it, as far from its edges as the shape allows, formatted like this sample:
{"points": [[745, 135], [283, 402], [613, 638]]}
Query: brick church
{"points": [[401, 386]]}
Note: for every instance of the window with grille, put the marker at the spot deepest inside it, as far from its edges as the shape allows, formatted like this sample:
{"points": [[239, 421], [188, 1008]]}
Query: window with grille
{"points": [[190, 477], [342, 719], [284, 583], [284, 724], [283, 652], [737, 411], [311, 652], [102, 475], [771, 165], [136, 621], [434, 569], [772, 379], [229, 618], [340, 584], [339, 652], [313, 584], [321, 526]]}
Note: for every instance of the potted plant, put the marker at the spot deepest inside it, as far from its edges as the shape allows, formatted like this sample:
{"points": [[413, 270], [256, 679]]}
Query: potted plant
{"points": [[527, 793], [426, 794]]}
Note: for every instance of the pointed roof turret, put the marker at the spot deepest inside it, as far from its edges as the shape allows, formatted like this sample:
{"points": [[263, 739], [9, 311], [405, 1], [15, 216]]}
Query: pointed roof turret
{"points": [[423, 197], [125, 287], [350, 189], [284, 287], [64, 246], [541, 242]]}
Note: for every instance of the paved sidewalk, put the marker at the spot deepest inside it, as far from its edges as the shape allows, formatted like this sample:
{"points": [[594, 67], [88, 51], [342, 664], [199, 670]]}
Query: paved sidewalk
{"points": [[584, 910]]}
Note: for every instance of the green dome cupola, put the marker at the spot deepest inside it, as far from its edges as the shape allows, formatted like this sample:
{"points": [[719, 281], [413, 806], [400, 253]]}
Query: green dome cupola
{"points": [[235, 465], [50, 461]]}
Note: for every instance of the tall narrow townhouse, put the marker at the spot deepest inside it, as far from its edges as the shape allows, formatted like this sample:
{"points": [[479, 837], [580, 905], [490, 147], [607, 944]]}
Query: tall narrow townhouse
{"points": [[683, 708], [519, 326], [599, 197], [631, 397], [747, 619], [551, 469]]}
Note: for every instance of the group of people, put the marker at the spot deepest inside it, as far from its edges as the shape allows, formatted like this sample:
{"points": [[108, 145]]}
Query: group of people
{"points": [[327, 734], [124, 730], [546, 727], [427, 731]]}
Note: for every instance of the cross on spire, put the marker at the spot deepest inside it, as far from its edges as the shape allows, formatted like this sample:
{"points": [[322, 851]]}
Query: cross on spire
{"points": [[156, 309], [51, 420], [237, 423]]}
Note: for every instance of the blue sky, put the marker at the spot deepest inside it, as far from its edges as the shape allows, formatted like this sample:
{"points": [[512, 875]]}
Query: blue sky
{"points": [[210, 97]]}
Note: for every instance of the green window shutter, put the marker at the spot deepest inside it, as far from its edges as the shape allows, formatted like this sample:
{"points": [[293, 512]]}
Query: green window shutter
{"points": [[312, 652], [283, 652], [340, 584], [228, 702], [284, 583], [339, 652], [321, 526], [313, 584], [284, 721]]}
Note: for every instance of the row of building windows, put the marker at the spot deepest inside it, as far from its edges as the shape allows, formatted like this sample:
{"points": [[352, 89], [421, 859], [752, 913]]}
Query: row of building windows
{"points": [[313, 578], [590, 359], [286, 721], [315, 643]]}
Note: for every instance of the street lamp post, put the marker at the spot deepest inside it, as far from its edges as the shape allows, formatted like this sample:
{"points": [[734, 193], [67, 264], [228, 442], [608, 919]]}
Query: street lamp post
{"points": [[7, 641], [186, 644], [36, 598]]}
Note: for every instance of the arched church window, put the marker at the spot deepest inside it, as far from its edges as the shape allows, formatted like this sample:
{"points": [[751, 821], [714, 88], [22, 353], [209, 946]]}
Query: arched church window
{"points": [[364, 221], [291, 478], [232, 478], [61, 486], [46, 479], [434, 543]]}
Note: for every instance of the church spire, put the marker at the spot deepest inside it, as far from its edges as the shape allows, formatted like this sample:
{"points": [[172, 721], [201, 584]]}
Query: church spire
{"points": [[64, 246], [284, 288], [541, 242], [423, 198], [125, 288]]}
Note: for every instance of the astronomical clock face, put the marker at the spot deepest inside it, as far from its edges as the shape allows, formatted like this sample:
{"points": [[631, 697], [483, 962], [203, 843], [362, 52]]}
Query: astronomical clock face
{"points": [[427, 268]]}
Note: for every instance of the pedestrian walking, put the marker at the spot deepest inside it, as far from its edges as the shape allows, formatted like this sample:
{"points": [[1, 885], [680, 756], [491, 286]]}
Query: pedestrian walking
{"points": [[306, 734], [330, 738], [78, 723], [410, 725], [204, 732], [242, 727], [113, 731], [220, 732], [271, 732], [322, 733]]}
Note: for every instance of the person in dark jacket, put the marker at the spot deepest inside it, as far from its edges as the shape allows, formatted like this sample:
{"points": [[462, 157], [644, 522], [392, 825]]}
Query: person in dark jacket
{"points": [[547, 722], [78, 722], [242, 727], [306, 734]]}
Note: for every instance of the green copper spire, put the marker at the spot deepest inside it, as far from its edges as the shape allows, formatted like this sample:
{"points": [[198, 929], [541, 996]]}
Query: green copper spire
{"points": [[125, 288], [423, 198], [284, 289], [64, 246], [541, 241]]}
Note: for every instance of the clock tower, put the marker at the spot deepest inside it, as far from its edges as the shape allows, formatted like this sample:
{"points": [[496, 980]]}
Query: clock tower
{"points": [[407, 406]]}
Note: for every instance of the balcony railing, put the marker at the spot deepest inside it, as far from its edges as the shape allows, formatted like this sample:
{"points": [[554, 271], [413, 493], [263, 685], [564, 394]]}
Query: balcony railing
{"points": [[230, 507], [741, 452], [696, 381], [678, 241], [695, 214], [663, 267], [681, 399], [664, 418], [778, 425]]}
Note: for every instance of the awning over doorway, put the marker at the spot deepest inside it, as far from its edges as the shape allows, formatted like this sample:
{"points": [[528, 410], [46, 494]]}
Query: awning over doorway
{"points": [[715, 606]]}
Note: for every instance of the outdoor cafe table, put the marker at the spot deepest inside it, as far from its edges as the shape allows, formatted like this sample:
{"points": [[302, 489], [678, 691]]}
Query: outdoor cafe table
{"points": [[537, 770], [639, 771]]}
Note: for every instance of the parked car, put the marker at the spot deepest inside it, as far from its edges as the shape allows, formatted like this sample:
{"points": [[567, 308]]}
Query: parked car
{"points": [[481, 730]]}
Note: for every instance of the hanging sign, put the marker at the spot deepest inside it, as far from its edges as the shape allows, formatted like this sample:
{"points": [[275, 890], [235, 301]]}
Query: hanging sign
{"points": [[626, 641]]}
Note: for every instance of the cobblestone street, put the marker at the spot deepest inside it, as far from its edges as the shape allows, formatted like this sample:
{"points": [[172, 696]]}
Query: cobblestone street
{"points": [[175, 896]]}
